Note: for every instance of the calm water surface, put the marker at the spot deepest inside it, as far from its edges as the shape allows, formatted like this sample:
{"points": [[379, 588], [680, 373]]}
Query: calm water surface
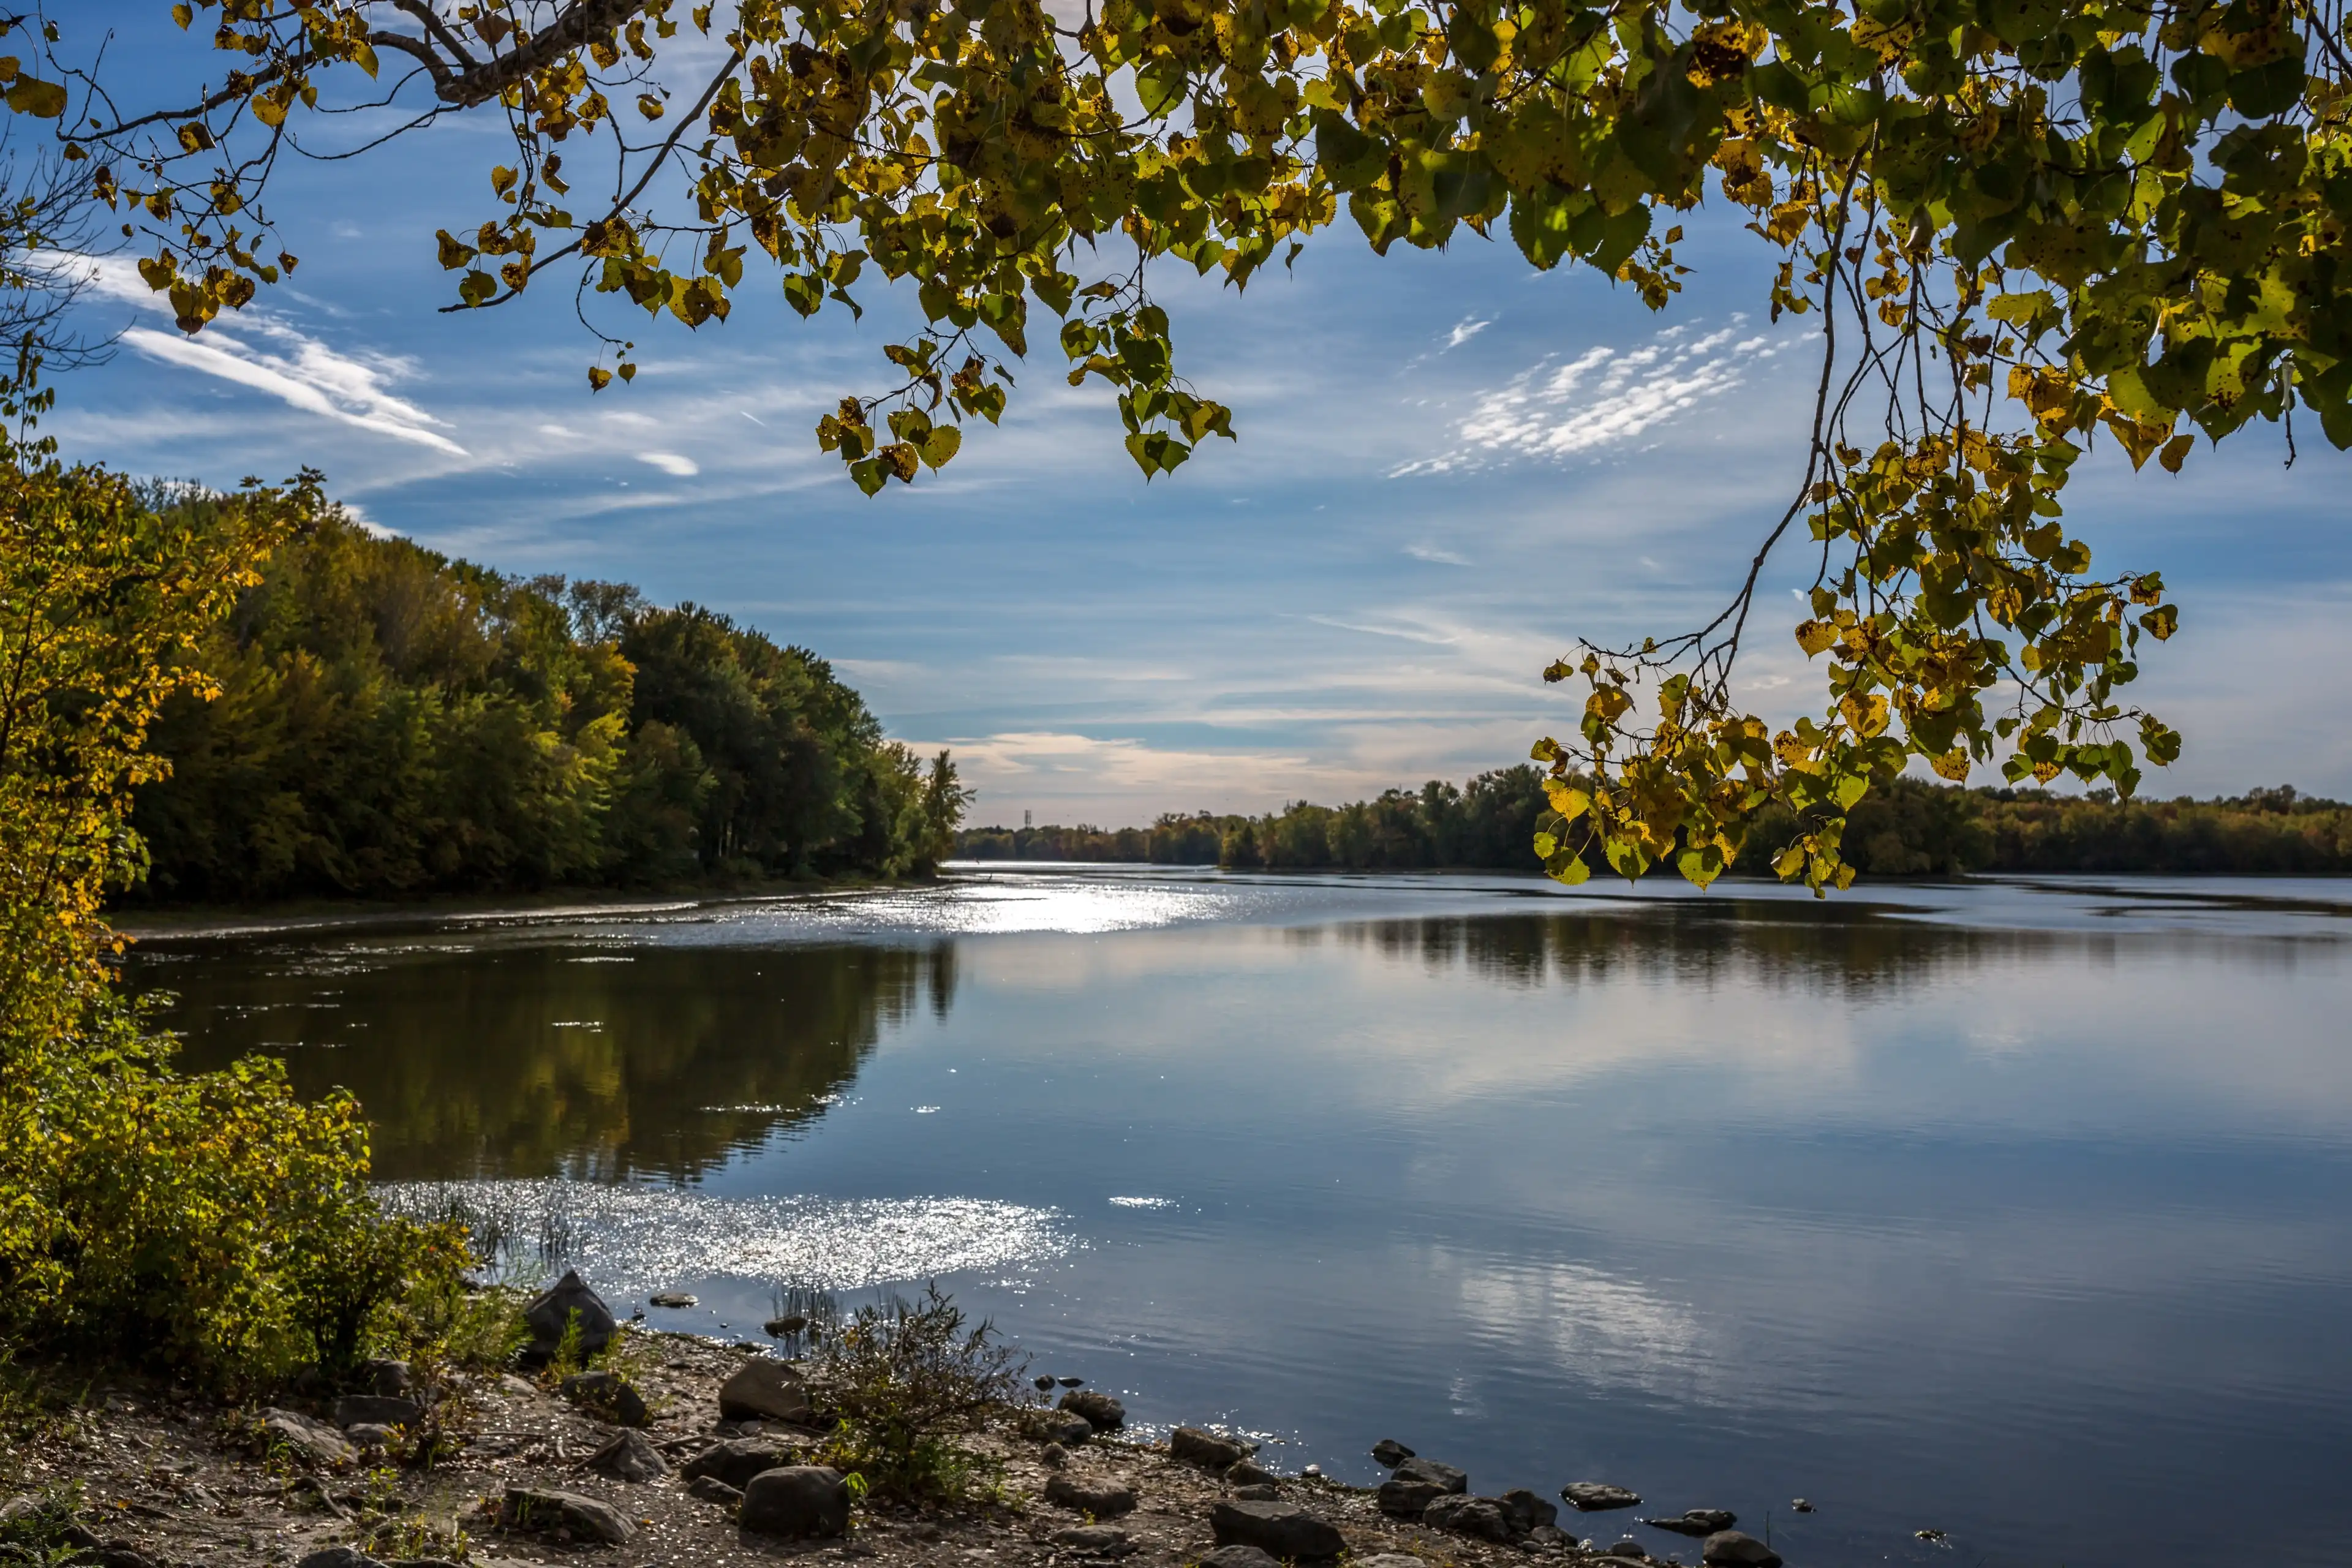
{"points": [[2023, 1212]]}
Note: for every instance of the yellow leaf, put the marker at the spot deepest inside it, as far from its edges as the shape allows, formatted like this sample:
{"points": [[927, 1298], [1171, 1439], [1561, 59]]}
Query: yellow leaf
{"points": [[1569, 802]]}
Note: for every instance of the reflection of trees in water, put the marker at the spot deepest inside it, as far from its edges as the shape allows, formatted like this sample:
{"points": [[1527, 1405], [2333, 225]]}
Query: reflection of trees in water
{"points": [[556, 1060], [1757, 943]]}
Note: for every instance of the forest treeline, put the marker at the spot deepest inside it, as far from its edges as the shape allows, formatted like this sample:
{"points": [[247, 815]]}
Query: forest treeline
{"points": [[1907, 828], [391, 723]]}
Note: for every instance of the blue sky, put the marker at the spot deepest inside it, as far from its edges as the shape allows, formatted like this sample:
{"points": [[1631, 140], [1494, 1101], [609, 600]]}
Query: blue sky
{"points": [[1450, 466]]}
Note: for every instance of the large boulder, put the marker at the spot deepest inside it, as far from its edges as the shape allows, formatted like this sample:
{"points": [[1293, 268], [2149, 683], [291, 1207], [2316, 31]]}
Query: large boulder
{"points": [[547, 1509], [1596, 1497], [310, 1442], [388, 1378], [1197, 1445], [377, 1410], [1696, 1521], [1103, 1499], [1473, 1516], [798, 1500], [609, 1395], [1388, 1453], [551, 1314], [1446, 1477], [1099, 1411], [1736, 1549], [1060, 1427], [1256, 1557], [766, 1389], [1407, 1498], [1281, 1529], [631, 1457], [737, 1460], [1526, 1511]]}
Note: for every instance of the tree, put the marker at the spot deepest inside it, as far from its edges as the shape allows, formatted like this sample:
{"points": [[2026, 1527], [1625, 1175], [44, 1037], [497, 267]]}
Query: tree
{"points": [[2022, 224]]}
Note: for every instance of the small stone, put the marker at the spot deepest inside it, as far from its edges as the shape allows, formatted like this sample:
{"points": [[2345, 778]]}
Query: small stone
{"points": [[631, 1457], [388, 1378], [1094, 1539], [677, 1300], [1698, 1522], [1446, 1477], [1256, 1557], [1801, 1506], [765, 1389], [548, 1509], [790, 1323], [799, 1500], [1389, 1453], [376, 1410], [1249, 1473], [1099, 1411], [1263, 1491], [1735, 1549], [1053, 1455], [368, 1434], [1043, 1381], [607, 1394], [1474, 1516], [737, 1460], [1071, 1382], [1390, 1559], [1281, 1529], [312, 1442], [1928, 1535], [1524, 1510], [338, 1557], [1061, 1426], [711, 1489], [1315, 1472], [553, 1314], [1103, 1499], [1630, 1548], [1196, 1446], [1550, 1537], [1593, 1497]]}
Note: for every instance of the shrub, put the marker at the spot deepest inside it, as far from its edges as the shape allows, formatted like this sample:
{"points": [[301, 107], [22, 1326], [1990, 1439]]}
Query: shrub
{"points": [[906, 1380]]}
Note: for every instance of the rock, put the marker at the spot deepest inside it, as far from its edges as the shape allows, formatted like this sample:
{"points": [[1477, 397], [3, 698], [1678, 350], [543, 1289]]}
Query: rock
{"points": [[1250, 1473], [1631, 1549], [1281, 1529], [1446, 1477], [338, 1557], [676, 1298], [1696, 1521], [1800, 1504], [737, 1460], [790, 1323], [368, 1434], [765, 1389], [1474, 1516], [546, 1509], [1099, 1411], [607, 1394], [552, 1314], [1061, 1426], [1390, 1559], [1053, 1455], [799, 1500], [377, 1410], [1071, 1382], [1524, 1510], [1196, 1446], [388, 1378], [711, 1489], [1594, 1497], [1256, 1557], [1313, 1471], [1736, 1549], [1389, 1453], [630, 1456], [312, 1442], [1407, 1499], [1550, 1536], [1103, 1499], [1044, 1383], [1094, 1539], [1262, 1491]]}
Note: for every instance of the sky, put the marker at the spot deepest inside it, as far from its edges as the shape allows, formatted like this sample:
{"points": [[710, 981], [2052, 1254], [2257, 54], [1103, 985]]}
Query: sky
{"points": [[1449, 469]]}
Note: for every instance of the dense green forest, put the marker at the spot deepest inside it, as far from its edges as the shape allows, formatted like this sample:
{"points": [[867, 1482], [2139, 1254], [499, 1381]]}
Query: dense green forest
{"points": [[391, 723], [1908, 829]]}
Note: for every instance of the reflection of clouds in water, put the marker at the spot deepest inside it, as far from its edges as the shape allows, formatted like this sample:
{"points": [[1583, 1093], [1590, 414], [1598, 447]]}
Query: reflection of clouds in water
{"points": [[1596, 1327], [626, 1239]]}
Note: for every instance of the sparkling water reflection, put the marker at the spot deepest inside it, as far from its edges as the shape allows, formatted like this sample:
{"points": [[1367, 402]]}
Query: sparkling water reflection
{"points": [[2022, 1210]]}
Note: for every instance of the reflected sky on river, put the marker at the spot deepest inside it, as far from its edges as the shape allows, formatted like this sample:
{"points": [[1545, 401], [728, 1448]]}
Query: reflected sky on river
{"points": [[2019, 1211]]}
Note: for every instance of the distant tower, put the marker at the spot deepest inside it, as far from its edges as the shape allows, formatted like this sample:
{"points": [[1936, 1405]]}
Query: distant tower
{"points": [[1024, 820]]}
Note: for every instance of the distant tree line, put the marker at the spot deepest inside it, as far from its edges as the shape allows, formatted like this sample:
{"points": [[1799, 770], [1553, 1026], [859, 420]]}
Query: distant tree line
{"points": [[1907, 828], [390, 723]]}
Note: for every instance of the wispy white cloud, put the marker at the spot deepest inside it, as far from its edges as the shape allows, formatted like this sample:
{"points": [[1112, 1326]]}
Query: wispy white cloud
{"points": [[1604, 397], [671, 463], [1431, 553], [1464, 329], [262, 350]]}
